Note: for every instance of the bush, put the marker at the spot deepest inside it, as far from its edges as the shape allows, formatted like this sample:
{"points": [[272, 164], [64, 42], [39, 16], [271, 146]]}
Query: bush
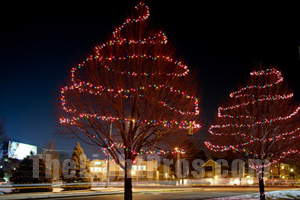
{"points": [[34, 188], [77, 186]]}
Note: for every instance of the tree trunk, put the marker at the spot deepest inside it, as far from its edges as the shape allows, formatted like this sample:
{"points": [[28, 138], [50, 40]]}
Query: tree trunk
{"points": [[261, 185], [128, 178], [128, 188]]}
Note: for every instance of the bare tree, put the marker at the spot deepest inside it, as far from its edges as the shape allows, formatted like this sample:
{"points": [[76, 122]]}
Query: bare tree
{"points": [[50, 153], [3, 143], [134, 83], [259, 121], [3, 137], [3, 134]]}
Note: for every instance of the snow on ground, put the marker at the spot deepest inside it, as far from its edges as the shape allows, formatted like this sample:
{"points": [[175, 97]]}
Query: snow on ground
{"points": [[273, 195], [5, 190]]}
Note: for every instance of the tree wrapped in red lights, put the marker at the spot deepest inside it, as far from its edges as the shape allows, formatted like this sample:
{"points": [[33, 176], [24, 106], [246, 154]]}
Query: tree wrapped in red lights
{"points": [[134, 83], [260, 121]]}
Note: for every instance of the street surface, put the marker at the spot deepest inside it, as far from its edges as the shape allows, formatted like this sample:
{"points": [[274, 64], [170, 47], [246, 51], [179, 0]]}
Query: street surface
{"points": [[189, 193]]}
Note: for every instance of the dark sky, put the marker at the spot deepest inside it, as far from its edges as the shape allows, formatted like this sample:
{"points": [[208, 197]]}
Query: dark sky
{"points": [[40, 43]]}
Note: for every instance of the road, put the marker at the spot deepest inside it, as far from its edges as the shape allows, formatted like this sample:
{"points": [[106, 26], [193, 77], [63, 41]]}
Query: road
{"points": [[191, 193]]}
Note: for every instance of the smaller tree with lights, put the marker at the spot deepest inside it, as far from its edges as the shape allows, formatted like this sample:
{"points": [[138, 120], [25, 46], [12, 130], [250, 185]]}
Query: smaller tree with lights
{"points": [[259, 122], [80, 175]]}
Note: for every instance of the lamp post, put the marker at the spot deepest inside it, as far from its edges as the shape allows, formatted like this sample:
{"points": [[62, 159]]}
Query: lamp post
{"points": [[108, 157], [178, 163], [272, 175]]}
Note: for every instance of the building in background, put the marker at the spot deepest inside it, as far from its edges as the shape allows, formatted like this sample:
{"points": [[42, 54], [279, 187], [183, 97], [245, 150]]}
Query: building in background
{"points": [[98, 170], [211, 169], [282, 170], [141, 170]]}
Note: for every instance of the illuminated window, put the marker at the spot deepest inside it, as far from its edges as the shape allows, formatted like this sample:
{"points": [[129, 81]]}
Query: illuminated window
{"points": [[142, 167], [134, 167], [98, 169], [98, 163], [91, 169], [105, 169]]}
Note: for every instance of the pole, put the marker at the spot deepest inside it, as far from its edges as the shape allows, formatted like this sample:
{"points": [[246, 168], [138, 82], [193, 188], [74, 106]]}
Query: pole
{"points": [[178, 164], [108, 157], [272, 175]]}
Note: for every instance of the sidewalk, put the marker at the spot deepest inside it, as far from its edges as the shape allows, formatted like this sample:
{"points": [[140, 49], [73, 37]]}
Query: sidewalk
{"points": [[98, 191]]}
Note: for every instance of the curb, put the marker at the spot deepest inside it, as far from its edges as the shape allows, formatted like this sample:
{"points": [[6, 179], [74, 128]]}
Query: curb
{"points": [[56, 195]]}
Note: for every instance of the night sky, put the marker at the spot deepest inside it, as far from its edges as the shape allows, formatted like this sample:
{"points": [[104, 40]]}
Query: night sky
{"points": [[40, 43]]}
